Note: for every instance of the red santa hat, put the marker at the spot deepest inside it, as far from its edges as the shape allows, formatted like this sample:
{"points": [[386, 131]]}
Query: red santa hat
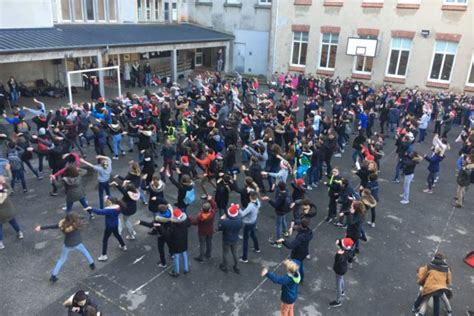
{"points": [[233, 210], [178, 214], [299, 181], [301, 125], [211, 123], [185, 160], [246, 120], [347, 243]]}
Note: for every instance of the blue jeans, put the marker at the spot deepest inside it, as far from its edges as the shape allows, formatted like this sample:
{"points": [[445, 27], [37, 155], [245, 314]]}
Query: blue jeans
{"points": [[103, 188], [18, 175], [281, 225], [355, 154], [116, 144], [65, 253], [422, 135], [83, 202], [14, 224], [406, 186], [398, 167], [147, 79], [13, 97], [249, 230], [313, 176], [339, 286], [185, 261], [301, 269]]}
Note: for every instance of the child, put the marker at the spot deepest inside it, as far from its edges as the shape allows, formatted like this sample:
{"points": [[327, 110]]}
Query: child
{"points": [[343, 255], [111, 213], [205, 223], [373, 186], [289, 286]]}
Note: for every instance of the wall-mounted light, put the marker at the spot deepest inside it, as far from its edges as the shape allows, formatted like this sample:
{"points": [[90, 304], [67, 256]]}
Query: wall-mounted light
{"points": [[425, 33]]}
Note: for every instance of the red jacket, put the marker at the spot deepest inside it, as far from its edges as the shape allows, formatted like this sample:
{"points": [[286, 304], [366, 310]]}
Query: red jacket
{"points": [[206, 162], [205, 221]]}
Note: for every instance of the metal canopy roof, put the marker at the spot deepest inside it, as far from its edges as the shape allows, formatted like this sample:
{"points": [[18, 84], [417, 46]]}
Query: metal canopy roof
{"points": [[79, 36]]}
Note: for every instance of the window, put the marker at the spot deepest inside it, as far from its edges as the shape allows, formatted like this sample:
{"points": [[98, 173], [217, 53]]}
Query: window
{"points": [[89, 9], [300, 48], [167, 12], [470, 75], [198, 60], [329, 43], [112, 11], [364, 64], [78, 10], [443, 60], [147, 10], [101, 10], [234, 1], [174, 12], [156, 14], [462, 2], [265, 2], [399, 55], [65, 10]]}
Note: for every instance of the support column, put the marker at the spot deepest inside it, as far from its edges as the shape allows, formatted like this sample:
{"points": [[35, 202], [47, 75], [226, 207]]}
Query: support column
{"points": [[174, 65], [227, 57], [100, 64]]}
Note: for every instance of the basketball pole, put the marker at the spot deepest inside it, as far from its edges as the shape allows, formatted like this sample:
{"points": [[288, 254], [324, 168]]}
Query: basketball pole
{"points": [[90, 70]]}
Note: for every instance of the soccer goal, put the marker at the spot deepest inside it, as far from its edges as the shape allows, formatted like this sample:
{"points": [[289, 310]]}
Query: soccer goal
{"points": [[91, 83]]}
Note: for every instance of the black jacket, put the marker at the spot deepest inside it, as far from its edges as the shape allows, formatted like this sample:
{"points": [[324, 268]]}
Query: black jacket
{"points": [[280, 203], [176, 235], [299, 246]]}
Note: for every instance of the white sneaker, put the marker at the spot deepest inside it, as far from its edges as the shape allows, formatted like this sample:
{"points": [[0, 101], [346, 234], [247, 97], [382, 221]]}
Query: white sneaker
{"points": [[103, 258], [19, 235], [124, 248], [2, 246], [401, 195], [338, 155], [372, 225], [404, 202], [130, 237], [64, 208]]}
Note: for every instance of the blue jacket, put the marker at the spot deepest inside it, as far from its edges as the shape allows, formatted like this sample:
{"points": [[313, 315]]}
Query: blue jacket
{"points": [[111, 215], [230, 228], [289, 286], [434, 161]]}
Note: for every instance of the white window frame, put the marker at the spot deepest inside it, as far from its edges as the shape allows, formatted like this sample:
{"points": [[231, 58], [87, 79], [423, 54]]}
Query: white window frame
{"points": [[265, 2], [234, 1], [300, 43], [409, 1], [471, 66], [106, 13], [330, 44], [399, 57], [455, 2], [94, 11], [442, 64]]}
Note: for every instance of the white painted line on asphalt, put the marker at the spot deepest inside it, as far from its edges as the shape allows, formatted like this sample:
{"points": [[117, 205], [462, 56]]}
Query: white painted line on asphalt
{"points": [[138, 259], [264, 280], [149, 281], [444, 230]]}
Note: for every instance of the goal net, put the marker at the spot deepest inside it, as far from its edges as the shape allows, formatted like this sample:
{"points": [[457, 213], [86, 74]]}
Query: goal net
{"points": [[90, 84]]}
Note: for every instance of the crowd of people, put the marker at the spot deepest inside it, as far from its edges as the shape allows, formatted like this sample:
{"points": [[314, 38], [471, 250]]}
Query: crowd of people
{"points": [[226, 135]]}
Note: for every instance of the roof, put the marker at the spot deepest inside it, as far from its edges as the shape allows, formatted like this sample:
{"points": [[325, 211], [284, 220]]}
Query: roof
{"points": [[80, 36]]}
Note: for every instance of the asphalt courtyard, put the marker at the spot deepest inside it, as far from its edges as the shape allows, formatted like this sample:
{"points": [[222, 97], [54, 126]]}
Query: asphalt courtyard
{"points": [[382, 282]]}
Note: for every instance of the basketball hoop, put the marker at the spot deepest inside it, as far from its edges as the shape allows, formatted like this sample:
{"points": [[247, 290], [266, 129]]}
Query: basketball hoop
{"points": [[361, 47]]}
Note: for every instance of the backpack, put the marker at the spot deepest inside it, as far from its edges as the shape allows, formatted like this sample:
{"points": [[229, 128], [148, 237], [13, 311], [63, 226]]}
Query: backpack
{"points": [[189, 197], [14, 160]]}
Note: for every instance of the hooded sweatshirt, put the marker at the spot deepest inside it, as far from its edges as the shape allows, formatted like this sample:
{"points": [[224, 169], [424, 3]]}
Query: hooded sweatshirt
{"points": [[289, 285], [250, 213], [299, 246]]}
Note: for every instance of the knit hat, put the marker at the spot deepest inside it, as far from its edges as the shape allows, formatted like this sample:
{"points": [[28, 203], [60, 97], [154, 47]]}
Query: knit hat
{"points": [[233, 210], [347, 243], [246, 121], [42, 131], [185, 160], [299, 181]]}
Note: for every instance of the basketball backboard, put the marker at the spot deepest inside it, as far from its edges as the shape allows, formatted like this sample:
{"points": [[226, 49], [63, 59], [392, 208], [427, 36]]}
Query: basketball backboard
{"points": [[361, 47]]}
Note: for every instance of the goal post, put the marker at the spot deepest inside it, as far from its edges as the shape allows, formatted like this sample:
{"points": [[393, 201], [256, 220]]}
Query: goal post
{"points": [[100, 71]]}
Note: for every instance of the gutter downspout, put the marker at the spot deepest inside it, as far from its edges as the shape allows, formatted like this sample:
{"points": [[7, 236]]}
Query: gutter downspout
{"points": [[277, 2]]}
